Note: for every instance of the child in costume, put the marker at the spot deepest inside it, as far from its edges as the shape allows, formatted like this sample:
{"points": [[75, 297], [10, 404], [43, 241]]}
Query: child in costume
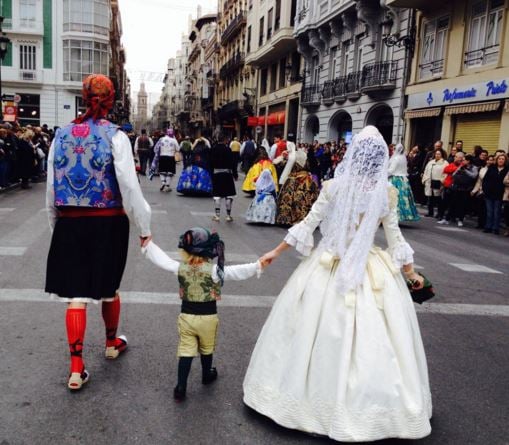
{"points": [[263, 206], [200, 283]]}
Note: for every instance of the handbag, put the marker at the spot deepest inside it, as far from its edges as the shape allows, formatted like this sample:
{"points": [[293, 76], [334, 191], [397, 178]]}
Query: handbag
{"points": [[436, 184], [421, 295], [178, 156], [40, 153]]}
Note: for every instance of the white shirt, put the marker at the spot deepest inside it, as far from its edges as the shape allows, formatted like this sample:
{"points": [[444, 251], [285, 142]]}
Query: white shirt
{"points": [[272, 152], [150, 142], [234, 273], [167, 146], [132, 198]]}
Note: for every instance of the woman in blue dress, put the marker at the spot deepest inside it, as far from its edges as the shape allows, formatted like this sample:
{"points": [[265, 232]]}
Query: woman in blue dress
{"points": [[263, 206], [195, 179]]}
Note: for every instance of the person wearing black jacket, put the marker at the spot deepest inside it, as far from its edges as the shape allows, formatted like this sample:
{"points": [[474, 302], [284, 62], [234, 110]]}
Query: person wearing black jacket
{"points": [[223, 175], [463, 183], [493, 190]]}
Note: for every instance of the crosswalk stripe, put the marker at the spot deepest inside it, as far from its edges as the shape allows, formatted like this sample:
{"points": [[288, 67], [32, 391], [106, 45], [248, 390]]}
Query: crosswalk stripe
{"points": [[452, 229], [6, 209], [12, 251], [474, 268], [261, 301]]}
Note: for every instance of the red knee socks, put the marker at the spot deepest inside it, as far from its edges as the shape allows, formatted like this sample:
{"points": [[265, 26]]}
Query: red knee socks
{"points": [[76, 323], [111, 314]]}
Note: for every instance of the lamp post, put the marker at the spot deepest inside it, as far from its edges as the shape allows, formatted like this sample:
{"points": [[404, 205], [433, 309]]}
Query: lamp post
{"points": [[407, 41], [4, 44]]}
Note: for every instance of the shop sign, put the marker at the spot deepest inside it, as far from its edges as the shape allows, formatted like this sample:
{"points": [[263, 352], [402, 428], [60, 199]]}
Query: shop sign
{"points": [[492, 89], [10, 111]]}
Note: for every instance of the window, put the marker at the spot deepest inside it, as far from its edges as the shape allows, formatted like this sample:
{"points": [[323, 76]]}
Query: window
{"points": [[273, 77], [282, 72], [345, 59], [27, 13], [296, 58], [248, 46], [84, 57], [27, 57], [277, 17], [433, 47], [485, 31], [263, 82], [262, 26], [358, 54], [87, 16], [269, 23], [333, 63], [315, 73]]}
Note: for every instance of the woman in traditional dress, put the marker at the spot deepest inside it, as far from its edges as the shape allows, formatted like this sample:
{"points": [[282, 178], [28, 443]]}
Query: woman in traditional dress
{"points": [[341, 353], [91, 185], [298, 192], [398, 176], [195, 179], [263, 206], [261, 163]]}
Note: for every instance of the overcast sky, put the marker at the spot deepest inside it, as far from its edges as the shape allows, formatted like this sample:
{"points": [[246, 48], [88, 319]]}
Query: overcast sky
{"points": [[152, 31]]}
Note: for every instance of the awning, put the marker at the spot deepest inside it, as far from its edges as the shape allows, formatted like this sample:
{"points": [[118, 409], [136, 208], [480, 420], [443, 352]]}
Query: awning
{"points": [[427, 112], [277, 118], [473, 108]]}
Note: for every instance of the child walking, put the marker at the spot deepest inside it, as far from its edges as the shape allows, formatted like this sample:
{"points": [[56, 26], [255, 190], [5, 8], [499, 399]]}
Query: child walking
{"points": [[200, 282]]}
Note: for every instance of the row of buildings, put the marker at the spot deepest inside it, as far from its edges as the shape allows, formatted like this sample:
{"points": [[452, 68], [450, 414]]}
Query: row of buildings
{"points": [[53, 45], [420, 70]]}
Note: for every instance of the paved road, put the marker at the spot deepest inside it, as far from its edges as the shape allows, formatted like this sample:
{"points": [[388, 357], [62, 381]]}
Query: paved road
{"points": [[465, 331]]}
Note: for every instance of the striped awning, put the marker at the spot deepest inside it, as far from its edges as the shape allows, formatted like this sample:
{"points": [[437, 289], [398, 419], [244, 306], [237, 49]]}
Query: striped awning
{"points": [[473, 108], [427, 112]]}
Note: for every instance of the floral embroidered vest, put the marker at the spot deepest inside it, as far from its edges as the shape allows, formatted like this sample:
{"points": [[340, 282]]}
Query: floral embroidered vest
{"points": [[196, 283], [84, 174]]}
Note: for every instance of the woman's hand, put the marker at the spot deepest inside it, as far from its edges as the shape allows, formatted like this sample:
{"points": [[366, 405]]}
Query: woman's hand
{"points": [[144, 240], [417, 280], [266, 259]]}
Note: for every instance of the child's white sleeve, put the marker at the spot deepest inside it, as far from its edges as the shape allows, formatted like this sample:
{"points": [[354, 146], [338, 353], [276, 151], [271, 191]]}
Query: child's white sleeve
{"points": [[238, 272], [155, 254]]}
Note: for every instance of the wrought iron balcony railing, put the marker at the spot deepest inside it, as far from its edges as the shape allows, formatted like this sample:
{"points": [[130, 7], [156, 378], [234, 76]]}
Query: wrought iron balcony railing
{"points": [[310, 95], [233, 28], [232, 66], [379, 76]]}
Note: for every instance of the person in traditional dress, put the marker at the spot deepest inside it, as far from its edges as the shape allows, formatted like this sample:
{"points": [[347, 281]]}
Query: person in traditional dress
{"points": [[223, 176], [196, 179], [200, 283], [91, 184], [298, 192], [262, 162], [398, 176], [164, 157], [263, 206], [341, 354]]}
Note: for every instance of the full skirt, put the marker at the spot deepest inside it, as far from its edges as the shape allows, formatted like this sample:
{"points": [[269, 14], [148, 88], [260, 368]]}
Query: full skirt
{"points": [[223, 185], [352, 368], [297, 196], [195, 180], [262, 210], [406, 204], [167, 164]]}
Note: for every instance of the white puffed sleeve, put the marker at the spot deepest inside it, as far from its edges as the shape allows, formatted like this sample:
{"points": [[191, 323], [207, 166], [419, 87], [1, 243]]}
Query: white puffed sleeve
{"points": [[238, 272], [400, 251], [132, 197], [157, 256], [300, 235], [50, 190]]}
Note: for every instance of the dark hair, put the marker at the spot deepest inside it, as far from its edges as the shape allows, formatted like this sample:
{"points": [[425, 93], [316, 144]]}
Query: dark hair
{"points": [[477, 150], [143, 131], [469, 158], [442, 152], [460, 141]]}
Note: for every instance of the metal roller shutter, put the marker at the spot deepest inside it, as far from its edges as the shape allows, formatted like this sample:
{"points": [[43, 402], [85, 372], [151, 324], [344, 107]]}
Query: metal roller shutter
{"points": [[478, 129]]}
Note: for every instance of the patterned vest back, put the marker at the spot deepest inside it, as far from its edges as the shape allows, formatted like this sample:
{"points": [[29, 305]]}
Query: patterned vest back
{"points": [[84, 174], [196, 283]]}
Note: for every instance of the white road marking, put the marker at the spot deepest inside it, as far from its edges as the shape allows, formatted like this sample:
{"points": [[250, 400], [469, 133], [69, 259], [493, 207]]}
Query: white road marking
{"points": [[38, 295], [30, 231], [12, 251], [474, 268], [6, 209], [211, 214], [452, 229], [159, 212], [229, 257]]}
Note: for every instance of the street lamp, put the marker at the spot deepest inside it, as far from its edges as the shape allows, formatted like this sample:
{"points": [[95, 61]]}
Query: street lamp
{"points": [[407, 41], [4, 45]]}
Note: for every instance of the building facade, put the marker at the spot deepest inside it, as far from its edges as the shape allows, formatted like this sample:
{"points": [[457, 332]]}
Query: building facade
{"points": [[54, 45], [352, 78], [460, 74], [271, 50], [235, 80]]}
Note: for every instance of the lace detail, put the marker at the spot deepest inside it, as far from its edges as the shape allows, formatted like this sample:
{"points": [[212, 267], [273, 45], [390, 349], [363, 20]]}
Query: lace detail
{"points": [[402, 254], [300, 237], [338, 421]]}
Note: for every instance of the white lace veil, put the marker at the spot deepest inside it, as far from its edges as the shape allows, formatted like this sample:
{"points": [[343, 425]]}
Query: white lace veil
{"points": [[359, 199]]}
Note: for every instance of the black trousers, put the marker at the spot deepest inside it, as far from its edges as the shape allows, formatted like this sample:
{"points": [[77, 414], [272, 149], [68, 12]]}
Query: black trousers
{"points": [[434, 202], [458, 204]]}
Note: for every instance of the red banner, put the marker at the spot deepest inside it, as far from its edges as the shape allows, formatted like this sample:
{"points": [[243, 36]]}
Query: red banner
{"points": [[252, 121], [261, 120], [276, 118]]}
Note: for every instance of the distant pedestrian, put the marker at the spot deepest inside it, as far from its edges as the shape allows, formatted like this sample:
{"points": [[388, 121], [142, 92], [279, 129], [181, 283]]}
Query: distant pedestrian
{"points": [[493, 188], [223, 176], [164, 157], [142, 148]]}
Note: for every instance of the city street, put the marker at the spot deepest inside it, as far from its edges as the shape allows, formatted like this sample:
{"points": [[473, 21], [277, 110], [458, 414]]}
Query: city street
{"points": [[130, 401]]}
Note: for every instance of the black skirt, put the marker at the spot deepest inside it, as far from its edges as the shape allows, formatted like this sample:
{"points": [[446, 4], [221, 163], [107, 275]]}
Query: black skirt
{"points": [[87, 256], [167, 164], [223, 185]]}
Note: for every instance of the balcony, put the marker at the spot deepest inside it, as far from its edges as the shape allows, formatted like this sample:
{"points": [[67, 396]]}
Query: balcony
{"points": [[232, 66], [310, 96], [23, 26], [482, 56], [379, 76], [431, 69], [281, 44], [334, 91], [352, 85], [194, 53], [233, 28]]}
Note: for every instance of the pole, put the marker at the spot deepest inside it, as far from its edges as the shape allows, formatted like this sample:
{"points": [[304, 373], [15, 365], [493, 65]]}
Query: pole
{"points": [[1, 95]]}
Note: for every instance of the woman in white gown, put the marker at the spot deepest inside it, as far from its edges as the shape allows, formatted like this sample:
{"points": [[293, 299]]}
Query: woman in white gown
{"points": [[341, 353]]}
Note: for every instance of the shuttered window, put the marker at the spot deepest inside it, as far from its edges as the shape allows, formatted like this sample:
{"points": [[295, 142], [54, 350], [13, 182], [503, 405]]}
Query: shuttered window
{"points": [[478, 129]]}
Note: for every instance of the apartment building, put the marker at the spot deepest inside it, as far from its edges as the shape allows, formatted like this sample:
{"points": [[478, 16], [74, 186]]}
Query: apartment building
{"points": [[459, 77], [271, 50], [354, 74], [54, 45]]}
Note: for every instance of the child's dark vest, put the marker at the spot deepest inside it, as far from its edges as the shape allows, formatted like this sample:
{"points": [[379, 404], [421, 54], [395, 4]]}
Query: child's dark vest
{"points": [[84, 174], [196, 284]]}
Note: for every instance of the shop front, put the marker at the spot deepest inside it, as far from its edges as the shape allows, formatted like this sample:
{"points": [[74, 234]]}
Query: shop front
{"points": [[476, 114]]}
